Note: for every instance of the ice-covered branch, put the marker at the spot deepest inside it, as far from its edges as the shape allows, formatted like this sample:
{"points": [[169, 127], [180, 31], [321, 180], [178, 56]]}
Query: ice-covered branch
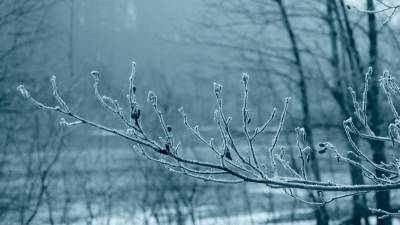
{"points": [[232, 164]]}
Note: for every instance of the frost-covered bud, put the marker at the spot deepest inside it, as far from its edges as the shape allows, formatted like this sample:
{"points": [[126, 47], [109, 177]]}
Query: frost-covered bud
{"points": [[95, 74], [338, 158], [53, 80], [217, 89], [245, 78], [132, 76], [301, 134], [394, 131], [300, 130], [348, 124], [181, 110], [227, 153], [135, 111], [109, 101], [24, 92], [63, 122], [129, 97], [307, 151], [324, 146], [282, 153], [212, 142], [369, 71], [216, 115], [152, 98], [388, 83], [133, 69], [130, 131]]}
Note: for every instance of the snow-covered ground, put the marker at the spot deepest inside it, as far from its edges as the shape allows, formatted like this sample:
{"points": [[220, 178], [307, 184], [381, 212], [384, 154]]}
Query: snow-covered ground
{"points": [[255, 219]]}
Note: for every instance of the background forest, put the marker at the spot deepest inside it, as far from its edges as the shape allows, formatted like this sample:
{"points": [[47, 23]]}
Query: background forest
{"points": [[308, 50]]}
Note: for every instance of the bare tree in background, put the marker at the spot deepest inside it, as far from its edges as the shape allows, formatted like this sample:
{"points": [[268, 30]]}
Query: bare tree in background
{"points": [[163, 201], [23, 26], [236, 165], [228, 161], [375, 115], [33, 167], [29, 152], [339, 66]]}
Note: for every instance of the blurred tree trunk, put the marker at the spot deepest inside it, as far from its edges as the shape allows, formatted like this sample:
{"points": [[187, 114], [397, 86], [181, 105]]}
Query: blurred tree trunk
{"points": [[322, 216], [375, 117], [247, 200], [353, 54]]}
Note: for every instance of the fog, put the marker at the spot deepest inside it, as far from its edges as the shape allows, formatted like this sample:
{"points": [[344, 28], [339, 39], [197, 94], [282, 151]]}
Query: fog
{"points": [[199, 112]]}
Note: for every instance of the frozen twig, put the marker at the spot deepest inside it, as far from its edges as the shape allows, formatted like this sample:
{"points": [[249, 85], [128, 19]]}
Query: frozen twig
{"points": [[383, 213], [277, 134], [237, 168]]}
